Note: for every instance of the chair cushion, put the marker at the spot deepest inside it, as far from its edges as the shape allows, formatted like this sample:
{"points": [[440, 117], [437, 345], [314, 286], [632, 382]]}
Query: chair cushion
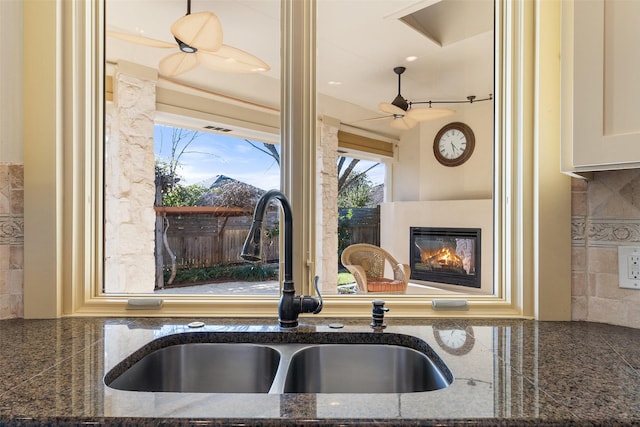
{"points": [[381, 284]]}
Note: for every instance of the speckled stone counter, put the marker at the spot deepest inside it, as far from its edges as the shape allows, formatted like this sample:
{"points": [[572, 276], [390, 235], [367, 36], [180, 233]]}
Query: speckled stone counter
{"points": [[506, 373]]}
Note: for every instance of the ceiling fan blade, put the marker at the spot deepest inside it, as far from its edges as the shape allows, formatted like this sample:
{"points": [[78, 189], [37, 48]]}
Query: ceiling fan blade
{"points": [[201, 30], [177, 63], [388, 108], [426, 114], [403, 123], [141, 40], [371, 119], [231, 59]]}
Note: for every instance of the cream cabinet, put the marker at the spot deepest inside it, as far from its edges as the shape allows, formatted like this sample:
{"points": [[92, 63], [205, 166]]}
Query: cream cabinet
{"points": [[600, 60]]}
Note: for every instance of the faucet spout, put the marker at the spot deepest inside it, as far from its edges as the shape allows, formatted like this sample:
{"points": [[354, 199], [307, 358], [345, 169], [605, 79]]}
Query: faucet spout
{"points": [[290, 305]]}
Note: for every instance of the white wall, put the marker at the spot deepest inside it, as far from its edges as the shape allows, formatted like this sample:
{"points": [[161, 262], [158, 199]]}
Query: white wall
{"points": [[397, 218], [421, 177], [11, 81], [428, 194]]}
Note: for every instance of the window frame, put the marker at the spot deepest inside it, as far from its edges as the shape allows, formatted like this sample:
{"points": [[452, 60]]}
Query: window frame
{"points": [[68, 233]]}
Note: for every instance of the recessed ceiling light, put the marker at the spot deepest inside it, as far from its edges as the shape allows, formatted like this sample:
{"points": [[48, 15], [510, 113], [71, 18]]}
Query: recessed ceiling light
{"points": [[411, 58], [333, 83]]}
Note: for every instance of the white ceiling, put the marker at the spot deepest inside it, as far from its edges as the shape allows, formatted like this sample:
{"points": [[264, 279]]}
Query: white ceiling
{"points": [[359, 43]]}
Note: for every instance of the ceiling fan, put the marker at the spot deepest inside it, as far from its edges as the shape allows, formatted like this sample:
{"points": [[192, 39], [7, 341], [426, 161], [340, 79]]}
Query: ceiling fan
{"points": [[406, 117], [199, 40]]}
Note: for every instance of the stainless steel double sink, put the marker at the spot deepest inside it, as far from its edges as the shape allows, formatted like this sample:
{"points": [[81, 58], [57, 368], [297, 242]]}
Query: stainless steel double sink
{"points": [[282, 362]]}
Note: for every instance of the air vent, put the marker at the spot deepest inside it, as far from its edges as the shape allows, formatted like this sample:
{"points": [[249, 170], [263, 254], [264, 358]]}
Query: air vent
{"points": [[450, 21], [217, 128]]}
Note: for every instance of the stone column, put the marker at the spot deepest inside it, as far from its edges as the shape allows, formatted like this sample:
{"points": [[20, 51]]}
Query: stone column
{"points": [[327, 206], [129, 182]]}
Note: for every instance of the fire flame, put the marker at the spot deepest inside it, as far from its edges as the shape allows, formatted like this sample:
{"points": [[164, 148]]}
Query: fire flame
{"points": [[443, 257]]}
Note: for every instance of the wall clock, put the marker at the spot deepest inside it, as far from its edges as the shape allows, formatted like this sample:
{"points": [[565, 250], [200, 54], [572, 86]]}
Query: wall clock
{"points": [[454, 341], [454, 144]]}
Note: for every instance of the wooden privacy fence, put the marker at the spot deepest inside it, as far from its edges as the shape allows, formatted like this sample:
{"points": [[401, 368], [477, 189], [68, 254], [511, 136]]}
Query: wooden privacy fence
{"points": [[205, 236], [209, 236], [363, 226]]}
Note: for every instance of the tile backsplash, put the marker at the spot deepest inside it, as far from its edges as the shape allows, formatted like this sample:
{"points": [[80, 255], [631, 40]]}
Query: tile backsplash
{"points": [[605, 215], [11, 240]]}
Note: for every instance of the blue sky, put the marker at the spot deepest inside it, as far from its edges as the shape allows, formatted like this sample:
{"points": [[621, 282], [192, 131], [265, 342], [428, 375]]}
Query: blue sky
{"points": [[214, 154]]}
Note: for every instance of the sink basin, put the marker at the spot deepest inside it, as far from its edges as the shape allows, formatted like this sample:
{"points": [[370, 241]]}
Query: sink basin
{"points": [[203, 368], [361, 368], [282, 362]]}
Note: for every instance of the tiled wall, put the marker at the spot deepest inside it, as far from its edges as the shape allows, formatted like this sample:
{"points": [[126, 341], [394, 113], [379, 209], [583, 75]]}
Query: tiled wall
{"points": [[605, 215], [11, 240]]}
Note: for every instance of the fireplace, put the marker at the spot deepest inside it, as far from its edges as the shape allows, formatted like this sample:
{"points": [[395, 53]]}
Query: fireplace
{"points": [[446, 255]]}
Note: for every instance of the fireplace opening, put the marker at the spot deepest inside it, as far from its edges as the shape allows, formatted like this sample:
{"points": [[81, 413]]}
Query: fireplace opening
{"points": [[446, 255]]}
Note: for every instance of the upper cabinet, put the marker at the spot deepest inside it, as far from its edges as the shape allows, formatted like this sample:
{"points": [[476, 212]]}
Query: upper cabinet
{"points": [[600, 85]]}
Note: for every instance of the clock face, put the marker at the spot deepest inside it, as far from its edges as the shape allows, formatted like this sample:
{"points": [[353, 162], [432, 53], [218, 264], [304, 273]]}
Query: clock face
{"points": [[454, 144], [453, 338], [456, 341]]}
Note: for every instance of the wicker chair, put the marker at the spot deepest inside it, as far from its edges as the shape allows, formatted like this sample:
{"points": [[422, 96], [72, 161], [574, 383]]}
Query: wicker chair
{"points": [[366, 262]]}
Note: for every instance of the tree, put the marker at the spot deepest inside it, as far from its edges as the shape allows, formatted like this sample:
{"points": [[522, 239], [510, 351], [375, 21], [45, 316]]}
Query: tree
{"points": [[354, 187], [165, 181], [348, 177], [181, 139], [268, 149], [191, 195], [169, 191], [234, 194], [343, 176], [344, 231], [357, 193], [349, 182]]}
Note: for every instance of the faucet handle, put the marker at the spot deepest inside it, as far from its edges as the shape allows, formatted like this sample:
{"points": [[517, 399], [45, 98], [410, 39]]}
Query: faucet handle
{"points": [[378, 306], [377, 316], [309, 304], [315, 285]]}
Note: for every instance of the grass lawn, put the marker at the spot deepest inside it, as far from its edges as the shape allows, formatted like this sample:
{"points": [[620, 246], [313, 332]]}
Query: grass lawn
{"points": [[345, 278]]}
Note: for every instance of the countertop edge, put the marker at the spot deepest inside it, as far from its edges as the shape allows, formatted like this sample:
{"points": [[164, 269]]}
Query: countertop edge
{"points": [[275, 422]]}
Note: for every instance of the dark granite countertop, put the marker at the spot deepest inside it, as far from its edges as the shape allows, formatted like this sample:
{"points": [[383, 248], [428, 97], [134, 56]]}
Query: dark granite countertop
{"points": [[507, 372]]}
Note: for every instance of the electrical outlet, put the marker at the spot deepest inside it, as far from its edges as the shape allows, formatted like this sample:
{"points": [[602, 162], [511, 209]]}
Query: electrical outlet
{"points": [[629, 266], [634, 267]]}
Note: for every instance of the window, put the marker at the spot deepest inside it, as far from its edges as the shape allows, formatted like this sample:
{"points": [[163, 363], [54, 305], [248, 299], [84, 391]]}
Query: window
{"points": [[205, 187], [201, 156], [412, 168], [69, 285]]}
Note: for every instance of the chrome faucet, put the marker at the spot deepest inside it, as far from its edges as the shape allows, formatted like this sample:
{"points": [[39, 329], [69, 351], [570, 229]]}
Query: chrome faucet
{"points": [[290, 305]]}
